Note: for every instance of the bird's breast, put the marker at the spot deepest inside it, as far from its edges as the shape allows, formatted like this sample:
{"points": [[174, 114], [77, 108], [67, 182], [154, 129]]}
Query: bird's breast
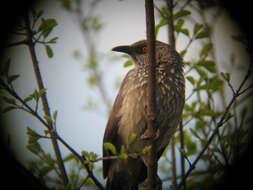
{"points": [[169, 105]]}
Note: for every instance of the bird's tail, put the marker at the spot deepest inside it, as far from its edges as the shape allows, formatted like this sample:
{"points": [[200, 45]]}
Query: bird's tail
{"points": [[112, 185], [115, 185]]}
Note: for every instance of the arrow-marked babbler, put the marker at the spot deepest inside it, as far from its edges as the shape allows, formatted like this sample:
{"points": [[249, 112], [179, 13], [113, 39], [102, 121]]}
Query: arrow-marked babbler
{"points": [[129, 115]]}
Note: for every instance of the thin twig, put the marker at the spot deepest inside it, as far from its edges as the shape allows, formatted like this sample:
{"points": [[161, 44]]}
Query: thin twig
{"points": [[222, 120], [82, 159], [173, 162], [151, 107], [31, 111], [181, 132], [31, 46]]}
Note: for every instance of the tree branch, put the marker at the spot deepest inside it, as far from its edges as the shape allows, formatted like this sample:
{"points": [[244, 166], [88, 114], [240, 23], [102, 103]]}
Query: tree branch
{"points": [[171, 36], [46, 109], [151, 109], [182, 157], [222, 120], [82, 159], [151, 132], [172, 43], [173, 162], [37, 116]]}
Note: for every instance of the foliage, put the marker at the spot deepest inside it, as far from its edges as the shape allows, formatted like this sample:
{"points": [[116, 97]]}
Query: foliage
{"points": [[206, 105], [207, 112]]}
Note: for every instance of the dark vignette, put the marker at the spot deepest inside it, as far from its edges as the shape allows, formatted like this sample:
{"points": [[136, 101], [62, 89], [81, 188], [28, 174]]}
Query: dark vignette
{"points": [[238, 176]]}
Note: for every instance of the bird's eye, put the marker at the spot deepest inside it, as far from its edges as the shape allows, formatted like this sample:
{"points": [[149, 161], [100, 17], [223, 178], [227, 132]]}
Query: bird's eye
{"points": [[144, 49]]}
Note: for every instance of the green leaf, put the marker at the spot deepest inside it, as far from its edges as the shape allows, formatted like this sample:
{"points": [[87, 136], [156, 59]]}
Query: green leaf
{"points": [[34, 148], [52, 40], [96, 25], [122, 150], [41, 92], [86, 155], [162, 22], [185, 31], [55, 115], [77, 54], [182, 53], [45, 170], [203, 34], [206, 49], [110, 147], [93, 156], [191, 146], [128, 63], [66, 4], [134, 155], [131, 139], [35, 94], [191, 79], [181, 13], [123, 156], [49, 51], [207, 64], [194, 133], [179, 25], [33, 144], [47, 26], [92, 80], [92, 62], [146, 149], [203, 74], [11, 78], [32, 133], [28, 98], [215, 83], [125, 56], [50, 160], [187, 107], [196, 28], [226, 76], [69, 157]]}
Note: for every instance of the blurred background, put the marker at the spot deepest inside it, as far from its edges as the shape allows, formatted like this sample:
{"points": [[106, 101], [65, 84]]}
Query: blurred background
{"points": [[82, 76]]}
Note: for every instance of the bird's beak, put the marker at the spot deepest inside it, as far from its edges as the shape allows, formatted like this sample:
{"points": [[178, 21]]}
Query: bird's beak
{"points": [[123, 49]]}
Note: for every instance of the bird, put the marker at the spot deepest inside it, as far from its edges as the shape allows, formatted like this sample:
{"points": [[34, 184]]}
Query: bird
{"points": [[128, 115]]}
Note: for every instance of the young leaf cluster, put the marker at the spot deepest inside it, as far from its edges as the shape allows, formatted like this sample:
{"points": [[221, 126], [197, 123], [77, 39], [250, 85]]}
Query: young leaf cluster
{"points": [[124, 151]]}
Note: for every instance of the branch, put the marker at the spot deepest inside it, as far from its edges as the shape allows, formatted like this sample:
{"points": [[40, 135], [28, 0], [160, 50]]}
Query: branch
{"points": [[222, 120], [37, 116], [82, 159], [171, 24], [151, 107], [89, 42], [151, 132], [174, 164], [31, 46], [182, 157], [172, 40]]}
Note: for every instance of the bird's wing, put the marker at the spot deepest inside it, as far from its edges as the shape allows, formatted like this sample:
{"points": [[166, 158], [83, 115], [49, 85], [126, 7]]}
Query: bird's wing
{"points": [[113, 125]]}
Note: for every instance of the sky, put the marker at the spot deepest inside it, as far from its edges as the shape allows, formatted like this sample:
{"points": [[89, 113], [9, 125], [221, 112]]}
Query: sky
{"points": [[65, 78]]}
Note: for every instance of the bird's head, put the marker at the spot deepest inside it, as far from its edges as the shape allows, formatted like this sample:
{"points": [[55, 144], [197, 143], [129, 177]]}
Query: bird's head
{"points": [[139, 52]]}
